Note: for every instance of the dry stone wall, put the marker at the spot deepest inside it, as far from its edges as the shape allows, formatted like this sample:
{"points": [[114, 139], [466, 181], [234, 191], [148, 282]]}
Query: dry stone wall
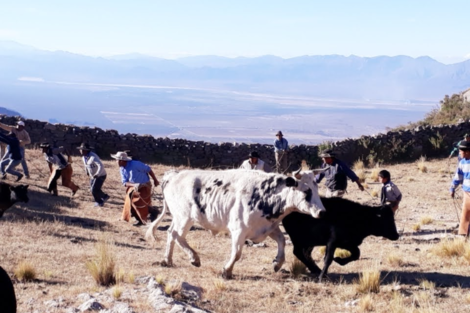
{"points": [[397, 146]]}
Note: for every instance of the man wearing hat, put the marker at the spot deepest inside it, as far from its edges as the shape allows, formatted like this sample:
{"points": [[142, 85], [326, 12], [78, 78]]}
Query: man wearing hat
{"points": [[281, 147], [255, 163], [60, 168], [135, 177], [336, 173], [466, 138], [94, 169], [14, 156], [23, 137], [462, 177]]}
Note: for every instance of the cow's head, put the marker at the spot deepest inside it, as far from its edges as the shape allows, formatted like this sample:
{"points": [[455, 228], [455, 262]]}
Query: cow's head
{"points": [[385, 226], [310, 202], [19, 193]]}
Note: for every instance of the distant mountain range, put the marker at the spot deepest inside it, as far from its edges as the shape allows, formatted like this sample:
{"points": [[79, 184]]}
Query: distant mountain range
{"points": [[332, 76], [5, 111]]}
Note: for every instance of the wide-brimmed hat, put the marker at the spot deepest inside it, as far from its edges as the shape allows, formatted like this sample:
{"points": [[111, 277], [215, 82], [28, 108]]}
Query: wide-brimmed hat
{"points": [[122, 156], [465, 145], [85, 146], [329, 153], [20, 123], [279, 133], [253, 154]]}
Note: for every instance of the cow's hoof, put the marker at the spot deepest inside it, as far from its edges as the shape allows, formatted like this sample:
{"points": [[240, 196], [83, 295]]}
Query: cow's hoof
{"points": [[226, 275], [196, 263], [165, 264], [277, 266]]}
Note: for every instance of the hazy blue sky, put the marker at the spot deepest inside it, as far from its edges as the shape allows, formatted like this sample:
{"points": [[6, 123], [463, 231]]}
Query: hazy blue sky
{"points": [[438, 28]]}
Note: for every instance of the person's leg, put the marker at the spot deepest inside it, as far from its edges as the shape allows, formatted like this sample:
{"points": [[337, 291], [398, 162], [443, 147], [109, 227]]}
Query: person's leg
{"points": [[52, 183], [277, 155], [465, 216], [284, 162], [96, 184], [5, 160], [23, 162], [10, 168], [67, 179]]}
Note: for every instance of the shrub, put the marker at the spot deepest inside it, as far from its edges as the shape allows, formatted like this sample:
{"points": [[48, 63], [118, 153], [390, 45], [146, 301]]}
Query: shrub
{"points": [[374, 175], [366, 304], [425, 220], [358, 165], [297, 268], [102, 266], [369, 281], [25, 272], [422, 165], [395, 260]]}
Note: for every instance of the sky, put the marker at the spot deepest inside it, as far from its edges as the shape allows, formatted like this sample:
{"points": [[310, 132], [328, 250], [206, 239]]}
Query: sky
{"points": [[180, 28]]}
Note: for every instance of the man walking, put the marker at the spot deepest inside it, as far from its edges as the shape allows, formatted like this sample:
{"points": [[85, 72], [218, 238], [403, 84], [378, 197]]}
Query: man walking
{"points": [[462, 177], [14, 156], [281, 147], [336, 173], [95, 170], [135, 177], [23, 138]]}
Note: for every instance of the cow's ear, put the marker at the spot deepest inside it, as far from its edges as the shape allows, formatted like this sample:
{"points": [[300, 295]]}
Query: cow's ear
{"points": [[290, 182]]}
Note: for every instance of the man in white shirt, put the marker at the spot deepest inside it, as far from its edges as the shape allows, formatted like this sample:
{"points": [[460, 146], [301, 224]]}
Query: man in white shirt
{"points": [[95, 170], [255, 163]]}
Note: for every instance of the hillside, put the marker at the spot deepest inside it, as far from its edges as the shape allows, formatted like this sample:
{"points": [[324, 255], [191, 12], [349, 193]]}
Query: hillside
{"points": [[8, 112], [58, 235]]}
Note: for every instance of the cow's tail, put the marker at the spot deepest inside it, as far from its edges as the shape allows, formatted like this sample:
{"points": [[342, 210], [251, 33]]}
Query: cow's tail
{"points": [[150, 234]]}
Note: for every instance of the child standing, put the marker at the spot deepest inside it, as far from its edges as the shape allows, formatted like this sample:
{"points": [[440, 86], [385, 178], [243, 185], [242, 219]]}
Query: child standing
{"points": [[390, 192]]}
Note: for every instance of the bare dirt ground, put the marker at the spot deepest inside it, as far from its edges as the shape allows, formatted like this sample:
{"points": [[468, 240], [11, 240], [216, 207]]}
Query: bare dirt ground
{"points": [[58, 235]]}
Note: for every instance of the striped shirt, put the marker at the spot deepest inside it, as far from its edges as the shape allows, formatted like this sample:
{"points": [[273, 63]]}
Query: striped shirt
{"points": [[462, 176]]}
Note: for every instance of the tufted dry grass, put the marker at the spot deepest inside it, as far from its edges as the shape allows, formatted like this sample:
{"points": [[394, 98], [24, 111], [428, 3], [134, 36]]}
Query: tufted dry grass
{"points": [[58, 235]]}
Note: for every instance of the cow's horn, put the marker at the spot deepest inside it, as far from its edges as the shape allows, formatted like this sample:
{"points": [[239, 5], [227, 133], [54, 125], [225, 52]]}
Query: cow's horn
{"points": [[297, 174]]}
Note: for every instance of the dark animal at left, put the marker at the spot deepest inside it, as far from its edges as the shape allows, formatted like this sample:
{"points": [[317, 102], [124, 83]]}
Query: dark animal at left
{"points": [[10, 195], [7, 293]]}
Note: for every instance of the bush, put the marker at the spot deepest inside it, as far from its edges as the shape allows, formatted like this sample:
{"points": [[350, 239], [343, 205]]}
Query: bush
{"points": [[102, 267]]}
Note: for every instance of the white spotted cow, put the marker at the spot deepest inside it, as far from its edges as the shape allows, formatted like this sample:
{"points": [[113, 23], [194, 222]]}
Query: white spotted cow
{"points": [[248, 204]]}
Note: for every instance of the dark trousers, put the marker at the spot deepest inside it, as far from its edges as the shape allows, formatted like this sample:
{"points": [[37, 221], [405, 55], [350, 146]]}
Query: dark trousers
{"points": [[53, 181], [96, 185]]}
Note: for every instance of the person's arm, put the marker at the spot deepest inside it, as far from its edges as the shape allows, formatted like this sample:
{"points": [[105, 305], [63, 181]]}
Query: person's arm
{"points": [[6, 127], [155, 180], [276, 145], [456, 149], [351, 175], [26, 140], [456, 181], [5, 139]]}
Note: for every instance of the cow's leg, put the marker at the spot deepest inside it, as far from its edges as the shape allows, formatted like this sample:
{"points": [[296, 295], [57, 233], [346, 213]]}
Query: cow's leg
{"points": [[355, 254], [180, 231], [304, 254], [278, 236], [170, 244], [237, 245], [329, 254]]}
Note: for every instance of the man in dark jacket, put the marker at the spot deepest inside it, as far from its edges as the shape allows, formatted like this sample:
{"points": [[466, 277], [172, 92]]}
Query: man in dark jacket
{"points": [[336, 173], [15, 156]]}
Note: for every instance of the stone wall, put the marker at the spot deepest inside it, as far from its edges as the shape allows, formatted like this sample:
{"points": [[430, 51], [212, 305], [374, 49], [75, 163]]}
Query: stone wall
{"points": [[391, 147]]}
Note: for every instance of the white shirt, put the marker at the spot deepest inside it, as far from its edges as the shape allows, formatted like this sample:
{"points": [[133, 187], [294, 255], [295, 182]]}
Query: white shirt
{"points": [[93, 165], [247, 165]]}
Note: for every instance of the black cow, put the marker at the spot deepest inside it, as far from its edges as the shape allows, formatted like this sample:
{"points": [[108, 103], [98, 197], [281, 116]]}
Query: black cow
{"points": [[9, 195], [7, 293], [344, 225]]}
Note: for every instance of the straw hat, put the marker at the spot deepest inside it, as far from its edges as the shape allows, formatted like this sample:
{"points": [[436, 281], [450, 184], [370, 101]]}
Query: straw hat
{"points": [[122, 156]]}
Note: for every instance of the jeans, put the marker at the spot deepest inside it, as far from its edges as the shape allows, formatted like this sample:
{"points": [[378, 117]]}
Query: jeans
{"points": [[96, 185], [10, 167], [6, 157]]}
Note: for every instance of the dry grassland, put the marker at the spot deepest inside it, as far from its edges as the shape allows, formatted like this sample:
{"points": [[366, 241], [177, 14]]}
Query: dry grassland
{"points": [[422, 272]]}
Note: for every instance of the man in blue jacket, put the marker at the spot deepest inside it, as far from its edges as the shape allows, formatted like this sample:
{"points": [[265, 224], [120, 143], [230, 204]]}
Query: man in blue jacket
{"points": [[336, 173], [15, 156]]}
